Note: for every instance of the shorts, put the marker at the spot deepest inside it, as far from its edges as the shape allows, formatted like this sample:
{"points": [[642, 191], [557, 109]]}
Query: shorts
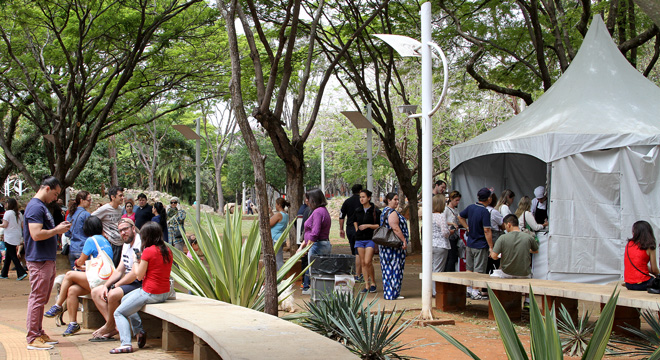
{"points": [[130, 287], [476, 260], [365, 244]]}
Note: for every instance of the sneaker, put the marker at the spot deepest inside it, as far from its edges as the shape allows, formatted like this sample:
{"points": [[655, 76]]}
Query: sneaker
{"points": [[3, 277], [526, 305], [307, 292], [22, 277], [71, 329], [54, 311], [476, 296], [359, 279], [372, 289], [364, 291], [47, 339], [39, 344], [400, 298]]}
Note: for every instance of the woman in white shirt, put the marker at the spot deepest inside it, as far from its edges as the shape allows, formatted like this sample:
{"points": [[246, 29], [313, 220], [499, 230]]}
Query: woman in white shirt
{"points": [[503, 205], [441, 245], [525, 217], [13, 225]]}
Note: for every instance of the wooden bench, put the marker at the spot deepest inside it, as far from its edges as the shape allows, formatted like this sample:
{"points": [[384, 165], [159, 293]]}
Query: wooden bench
{"points": [[451, 295], [217, 330]]}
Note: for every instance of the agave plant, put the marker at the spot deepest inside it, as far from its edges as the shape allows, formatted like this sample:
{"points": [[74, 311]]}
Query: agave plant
{"points": [[574, 336], [545, 343], [233, 273], [318, 316], [649, 345]]}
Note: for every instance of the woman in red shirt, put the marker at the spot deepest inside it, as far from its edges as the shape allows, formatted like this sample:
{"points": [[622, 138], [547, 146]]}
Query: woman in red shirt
{"points": [[153, 269], [640, 250]]}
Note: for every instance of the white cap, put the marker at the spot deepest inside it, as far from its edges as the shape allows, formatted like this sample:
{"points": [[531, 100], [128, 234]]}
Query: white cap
{"points": [[539, 191]]}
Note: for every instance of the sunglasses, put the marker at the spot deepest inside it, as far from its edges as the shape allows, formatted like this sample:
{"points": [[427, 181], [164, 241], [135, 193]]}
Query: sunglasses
{"points": [[173, 202]]}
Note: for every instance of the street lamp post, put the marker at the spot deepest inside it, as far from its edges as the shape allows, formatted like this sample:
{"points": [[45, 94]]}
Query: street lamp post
{"points": [[362, 122], [406, 46], [189, 134]]}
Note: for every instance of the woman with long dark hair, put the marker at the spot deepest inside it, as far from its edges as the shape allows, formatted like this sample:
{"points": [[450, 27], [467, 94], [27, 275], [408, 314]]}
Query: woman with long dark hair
{"points": [[13, 226], [367, 219], [153, 269], [639, 254], [278, 222], [317, 226], [78, 214], [393, 260], [160, 217]]}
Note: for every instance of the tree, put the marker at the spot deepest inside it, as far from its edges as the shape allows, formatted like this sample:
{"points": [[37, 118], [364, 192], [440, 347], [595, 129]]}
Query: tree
{"points": [[77, 70], [281, 53], [519, 48]]}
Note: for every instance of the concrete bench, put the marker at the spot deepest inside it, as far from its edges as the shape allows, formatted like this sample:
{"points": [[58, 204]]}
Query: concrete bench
{"points": [[451, 290], [217, 330]]}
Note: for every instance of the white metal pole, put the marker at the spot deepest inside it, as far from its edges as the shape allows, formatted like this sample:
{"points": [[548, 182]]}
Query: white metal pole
{"points": [[198, 184], [322, 167], [243, 201], [370, 162], [427, 163]]}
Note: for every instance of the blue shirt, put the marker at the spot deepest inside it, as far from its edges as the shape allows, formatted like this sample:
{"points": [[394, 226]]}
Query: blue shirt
{"points": [[277, 230], [156, 219], [478, 218], [75, 233], [36, 212], [90, 246]]}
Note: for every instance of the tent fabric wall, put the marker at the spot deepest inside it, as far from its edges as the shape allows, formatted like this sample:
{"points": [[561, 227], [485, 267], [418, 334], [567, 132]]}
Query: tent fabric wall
{"points": [[596, 197], [518, 172]]}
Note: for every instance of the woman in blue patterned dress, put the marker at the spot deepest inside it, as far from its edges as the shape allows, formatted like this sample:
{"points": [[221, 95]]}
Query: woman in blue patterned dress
{"points": [[392, 260]]}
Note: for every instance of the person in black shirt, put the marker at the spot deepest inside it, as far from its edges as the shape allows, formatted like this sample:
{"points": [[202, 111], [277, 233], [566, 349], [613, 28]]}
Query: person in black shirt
{"points": [[347, 211], [366, 220], [143, 212]]}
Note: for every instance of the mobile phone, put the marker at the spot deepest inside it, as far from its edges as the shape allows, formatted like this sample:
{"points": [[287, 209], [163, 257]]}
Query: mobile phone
{"points": [[138, 254]]}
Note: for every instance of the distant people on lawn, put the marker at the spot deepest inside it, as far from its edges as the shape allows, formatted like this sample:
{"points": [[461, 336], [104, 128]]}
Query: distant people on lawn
{"points": [[278, 222], [78, 214], [40, 251], [13, 235], [143, 212], [110, 214], [176, 217], [640, 257], [366, 220], [513, 249], [346, 215], [476, 219], [248, 207], [108, 297], [393, 260], [75, 282]]}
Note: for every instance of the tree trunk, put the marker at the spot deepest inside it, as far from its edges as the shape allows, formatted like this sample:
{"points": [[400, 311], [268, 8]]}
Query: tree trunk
{"points": [[295, 193], [112, 153], [218, 184]]}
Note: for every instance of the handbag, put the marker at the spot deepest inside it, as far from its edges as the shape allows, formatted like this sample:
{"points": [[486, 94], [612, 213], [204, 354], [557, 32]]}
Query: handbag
{"points": [[384, 236], [653, 286], [65, 249], [528, 230], [99, 269]]}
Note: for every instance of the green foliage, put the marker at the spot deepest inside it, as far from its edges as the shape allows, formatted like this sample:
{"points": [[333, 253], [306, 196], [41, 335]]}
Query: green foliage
{"points": [[231, 273], [647, 342], [545, 343], [574, 337], [240, 169]]}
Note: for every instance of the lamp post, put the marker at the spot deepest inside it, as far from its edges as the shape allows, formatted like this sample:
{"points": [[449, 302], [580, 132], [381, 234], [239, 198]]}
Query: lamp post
{"points": [[406, 46], [189, 134], [362, 122]]}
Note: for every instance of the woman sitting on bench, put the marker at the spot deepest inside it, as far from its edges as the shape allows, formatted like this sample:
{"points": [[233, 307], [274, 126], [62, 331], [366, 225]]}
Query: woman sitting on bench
{"points": [[640, 251], [75, 282]]}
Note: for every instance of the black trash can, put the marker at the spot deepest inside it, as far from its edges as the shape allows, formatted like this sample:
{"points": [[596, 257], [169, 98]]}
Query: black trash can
{"points": [[323, 271]]}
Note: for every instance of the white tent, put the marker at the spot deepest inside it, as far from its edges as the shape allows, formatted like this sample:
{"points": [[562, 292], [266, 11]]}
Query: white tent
{"points": [[594, 138]]}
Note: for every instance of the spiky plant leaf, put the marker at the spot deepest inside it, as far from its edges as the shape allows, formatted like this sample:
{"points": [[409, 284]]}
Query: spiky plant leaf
{"points": [[512, 345], [456, 343]]}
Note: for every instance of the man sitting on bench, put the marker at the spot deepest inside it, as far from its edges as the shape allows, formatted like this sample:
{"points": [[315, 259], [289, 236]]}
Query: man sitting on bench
{"points": [[514, 248]]}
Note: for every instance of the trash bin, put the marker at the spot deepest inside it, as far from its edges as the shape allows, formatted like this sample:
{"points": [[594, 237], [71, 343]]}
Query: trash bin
{"points": [[323, 271]]}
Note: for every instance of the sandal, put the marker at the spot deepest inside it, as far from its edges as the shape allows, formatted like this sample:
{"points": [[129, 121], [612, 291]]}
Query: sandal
{"points": [[102, 338], [122, 350], [141, 338]]}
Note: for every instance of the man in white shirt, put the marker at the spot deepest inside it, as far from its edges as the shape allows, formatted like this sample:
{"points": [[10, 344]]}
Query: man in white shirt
{"points": [[539, 205], [108, 297]]}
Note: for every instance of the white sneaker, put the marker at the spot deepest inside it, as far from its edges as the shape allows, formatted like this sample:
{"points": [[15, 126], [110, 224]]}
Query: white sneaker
{"points": [[307, 292], [39, 344]]}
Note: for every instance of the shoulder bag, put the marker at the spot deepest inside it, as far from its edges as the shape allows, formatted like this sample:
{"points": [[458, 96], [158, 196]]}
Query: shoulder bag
{"points": [[527, 229], [99, 269], [385, 236], [653, 286]]}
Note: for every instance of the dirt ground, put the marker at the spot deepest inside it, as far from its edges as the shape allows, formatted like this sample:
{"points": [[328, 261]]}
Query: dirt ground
{"points": [[472, 326]]}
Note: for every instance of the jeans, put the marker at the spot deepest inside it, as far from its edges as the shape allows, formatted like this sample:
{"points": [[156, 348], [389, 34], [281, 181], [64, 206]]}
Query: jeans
{"points": [[42, 277], [439, 261], [130, 305], [72, 259], [317, 248]]}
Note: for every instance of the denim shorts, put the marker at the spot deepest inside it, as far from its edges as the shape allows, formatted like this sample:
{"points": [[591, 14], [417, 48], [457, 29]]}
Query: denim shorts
{"points": [[364, 244]]}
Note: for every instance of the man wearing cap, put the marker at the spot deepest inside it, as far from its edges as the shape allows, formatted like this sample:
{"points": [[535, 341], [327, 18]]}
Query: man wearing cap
{"points": [[479, 241], [108, 297], [539, 205], [175, 219]]}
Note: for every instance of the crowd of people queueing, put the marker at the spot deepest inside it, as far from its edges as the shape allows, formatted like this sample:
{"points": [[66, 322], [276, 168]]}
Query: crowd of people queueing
{"points": [[134, 237]]}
